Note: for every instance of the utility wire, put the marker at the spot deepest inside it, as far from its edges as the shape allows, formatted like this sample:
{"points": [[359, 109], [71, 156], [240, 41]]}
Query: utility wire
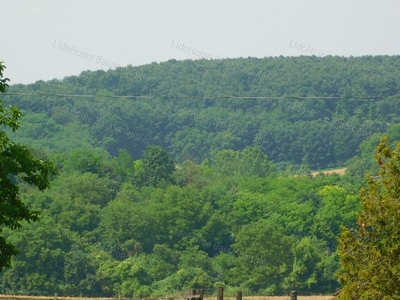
{"points": [[199, 98]]}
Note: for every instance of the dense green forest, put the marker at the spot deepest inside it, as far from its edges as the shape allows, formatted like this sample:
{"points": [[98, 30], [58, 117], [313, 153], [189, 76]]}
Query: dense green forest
{"points": [[321, 133], [188, 186], [142, 228]]}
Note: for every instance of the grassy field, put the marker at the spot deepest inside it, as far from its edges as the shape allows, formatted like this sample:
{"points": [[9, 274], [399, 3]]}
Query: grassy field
{"points": [[340, 171], [10, 297], [283, 298]]}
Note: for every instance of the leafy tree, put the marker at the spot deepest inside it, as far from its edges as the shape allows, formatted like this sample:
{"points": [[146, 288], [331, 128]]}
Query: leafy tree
{"points": [[249, 162], [260, 247], [311, 260], [44, 248], [158, 166], [123, 165], [127, 277], [370, 256], [85, 160], [190, 173], [16, 163], [338, 208]]}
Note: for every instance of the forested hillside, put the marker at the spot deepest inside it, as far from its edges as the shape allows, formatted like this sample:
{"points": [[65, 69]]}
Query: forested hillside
{"points": [[141, 228], [187, 186], [188, 113]]}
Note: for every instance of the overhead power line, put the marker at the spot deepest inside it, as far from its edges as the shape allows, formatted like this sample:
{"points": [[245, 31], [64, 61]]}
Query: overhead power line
{"points": [[198, 98]]}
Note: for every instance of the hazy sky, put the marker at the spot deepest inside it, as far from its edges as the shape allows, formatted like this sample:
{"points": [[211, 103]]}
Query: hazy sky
{"points": [[42, 40]]}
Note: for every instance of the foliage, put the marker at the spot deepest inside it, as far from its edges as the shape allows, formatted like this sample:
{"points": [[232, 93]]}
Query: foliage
{"points": [[16, 164], [161, 194], [249, 162], [157, 167], [370, 254], [320, 133], [107, 234]]}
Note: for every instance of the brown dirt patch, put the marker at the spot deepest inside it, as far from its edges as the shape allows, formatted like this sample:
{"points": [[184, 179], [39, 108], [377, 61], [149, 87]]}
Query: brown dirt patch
{"points": [[341, 171]]}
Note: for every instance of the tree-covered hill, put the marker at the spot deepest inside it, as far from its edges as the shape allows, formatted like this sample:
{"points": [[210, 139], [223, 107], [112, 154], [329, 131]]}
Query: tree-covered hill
{"points": [[187, 186], [187, 110]]}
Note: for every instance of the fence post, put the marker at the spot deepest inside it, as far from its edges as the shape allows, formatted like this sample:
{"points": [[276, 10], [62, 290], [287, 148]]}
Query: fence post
{"points": [[293, 295], [239, 295], [220, 293], [193, 293], [202, 294], [55, 296]]}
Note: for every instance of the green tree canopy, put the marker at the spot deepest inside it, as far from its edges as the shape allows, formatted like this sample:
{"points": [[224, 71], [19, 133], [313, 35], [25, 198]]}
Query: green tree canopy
{"points": [[157, 167], [249, 162], [16, 164], [370, 255]]}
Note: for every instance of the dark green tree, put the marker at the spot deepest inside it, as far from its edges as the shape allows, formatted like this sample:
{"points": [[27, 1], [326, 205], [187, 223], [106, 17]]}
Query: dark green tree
{"points": [[158, 167], [16, 164]]}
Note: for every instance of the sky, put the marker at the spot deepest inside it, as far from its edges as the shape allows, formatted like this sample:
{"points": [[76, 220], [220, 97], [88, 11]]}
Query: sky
{"points": [[43, 40]]}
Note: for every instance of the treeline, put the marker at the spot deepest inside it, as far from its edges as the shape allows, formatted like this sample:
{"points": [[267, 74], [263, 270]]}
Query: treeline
{"points": [[144, 227], [321, 133]]}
